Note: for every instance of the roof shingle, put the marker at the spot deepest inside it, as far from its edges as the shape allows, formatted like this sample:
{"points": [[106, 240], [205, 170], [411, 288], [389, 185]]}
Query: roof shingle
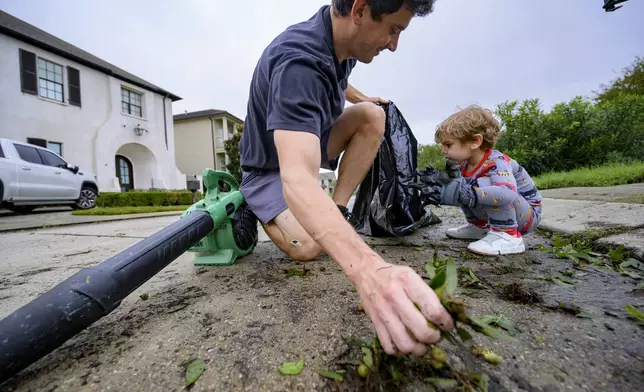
{"points": [[203, 113]]}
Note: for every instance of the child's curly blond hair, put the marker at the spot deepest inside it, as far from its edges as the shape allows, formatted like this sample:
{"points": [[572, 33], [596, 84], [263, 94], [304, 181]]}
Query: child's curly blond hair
{"points": [[466, 123]]}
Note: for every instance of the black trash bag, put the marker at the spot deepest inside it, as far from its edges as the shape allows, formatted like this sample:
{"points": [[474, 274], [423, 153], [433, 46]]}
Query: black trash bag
{"points": [[386, 205]]}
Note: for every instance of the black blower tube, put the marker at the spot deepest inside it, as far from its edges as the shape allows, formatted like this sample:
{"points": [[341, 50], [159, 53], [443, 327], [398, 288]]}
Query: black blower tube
{"points": [[48, 321]]}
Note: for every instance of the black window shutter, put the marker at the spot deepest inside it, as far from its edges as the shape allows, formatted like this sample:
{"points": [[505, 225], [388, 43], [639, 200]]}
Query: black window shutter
{"points": [[73, 79], [37, 142], [28, 76]]}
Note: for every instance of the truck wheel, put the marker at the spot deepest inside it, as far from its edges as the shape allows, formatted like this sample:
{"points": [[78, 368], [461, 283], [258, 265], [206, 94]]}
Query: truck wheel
{"points": [[87, 199]]}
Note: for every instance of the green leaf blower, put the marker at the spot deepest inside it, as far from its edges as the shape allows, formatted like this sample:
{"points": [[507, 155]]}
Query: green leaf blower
{"points": [[236, 234]]}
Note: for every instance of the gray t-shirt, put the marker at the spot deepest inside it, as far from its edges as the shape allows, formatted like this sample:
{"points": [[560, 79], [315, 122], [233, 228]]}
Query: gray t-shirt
{"points": [[298, 84]]}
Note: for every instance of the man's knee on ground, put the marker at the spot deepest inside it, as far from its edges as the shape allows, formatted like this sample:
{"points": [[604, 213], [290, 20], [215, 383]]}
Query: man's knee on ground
{"points": [[374, 119], [308, 252]]}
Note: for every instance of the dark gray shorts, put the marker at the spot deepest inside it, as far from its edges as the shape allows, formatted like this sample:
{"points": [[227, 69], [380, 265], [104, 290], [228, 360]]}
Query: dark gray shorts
{"points": [[262, 189]]}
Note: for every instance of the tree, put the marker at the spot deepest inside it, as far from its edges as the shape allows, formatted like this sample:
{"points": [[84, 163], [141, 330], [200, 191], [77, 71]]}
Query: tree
{"points": [[574, 134], [430, 155], [232, 150], [630, 82]]}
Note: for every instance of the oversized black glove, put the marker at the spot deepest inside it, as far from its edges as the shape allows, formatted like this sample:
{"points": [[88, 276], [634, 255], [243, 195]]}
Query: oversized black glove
{"points": [[438, 188], [452, 169], [431, 175]]}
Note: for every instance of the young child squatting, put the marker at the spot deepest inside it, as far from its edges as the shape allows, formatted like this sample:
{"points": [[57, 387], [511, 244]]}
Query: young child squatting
{"points": [[496, 194]]}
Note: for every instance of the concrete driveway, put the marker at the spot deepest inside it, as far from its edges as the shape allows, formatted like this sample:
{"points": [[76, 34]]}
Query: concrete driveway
{"points": [[246, 319], [53, 217]]}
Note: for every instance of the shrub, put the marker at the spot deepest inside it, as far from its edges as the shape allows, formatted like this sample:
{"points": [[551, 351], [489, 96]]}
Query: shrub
{"points": [[573, 134], [232, 150], [430, 155], [145, 198]]}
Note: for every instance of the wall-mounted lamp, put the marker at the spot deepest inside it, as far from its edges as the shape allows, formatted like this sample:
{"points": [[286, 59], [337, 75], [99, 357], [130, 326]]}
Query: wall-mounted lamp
{"points": [[138, 131]]}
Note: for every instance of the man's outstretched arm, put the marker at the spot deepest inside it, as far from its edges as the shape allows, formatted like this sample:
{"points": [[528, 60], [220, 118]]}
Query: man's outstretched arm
{"points": [[388, 292]]}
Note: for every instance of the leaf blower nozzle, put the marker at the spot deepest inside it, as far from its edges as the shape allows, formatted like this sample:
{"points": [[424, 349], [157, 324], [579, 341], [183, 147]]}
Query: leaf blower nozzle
{"points": [[54, 317]]}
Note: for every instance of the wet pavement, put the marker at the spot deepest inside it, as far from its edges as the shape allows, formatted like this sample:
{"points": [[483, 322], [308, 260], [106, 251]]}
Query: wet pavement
{"points": [[246, 319], [565, 216]]}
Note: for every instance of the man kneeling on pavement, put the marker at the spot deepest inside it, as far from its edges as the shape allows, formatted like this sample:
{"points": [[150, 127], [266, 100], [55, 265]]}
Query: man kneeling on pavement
{"points": [[297, 123]]}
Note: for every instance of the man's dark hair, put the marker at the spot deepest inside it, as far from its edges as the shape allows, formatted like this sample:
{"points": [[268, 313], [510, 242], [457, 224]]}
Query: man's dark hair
{"points": [[380, 7]]}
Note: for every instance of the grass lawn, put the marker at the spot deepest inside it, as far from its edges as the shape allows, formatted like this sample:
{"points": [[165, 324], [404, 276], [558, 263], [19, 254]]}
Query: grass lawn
{"points": [[609, 175], [635, 199], [128, 210]]}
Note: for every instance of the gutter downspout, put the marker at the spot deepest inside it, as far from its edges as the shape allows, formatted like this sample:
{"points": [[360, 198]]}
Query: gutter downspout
{"points": [[165, 123], [107, 119], [214, 151]]}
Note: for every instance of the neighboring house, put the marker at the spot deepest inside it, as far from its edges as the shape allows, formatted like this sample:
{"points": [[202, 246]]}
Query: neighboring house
{"points": [[327, 182], [199, 140], [94, 114]]}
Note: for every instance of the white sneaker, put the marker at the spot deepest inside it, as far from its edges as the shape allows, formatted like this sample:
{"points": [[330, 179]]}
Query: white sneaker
{"points": [[497, 243], [467, 232]]}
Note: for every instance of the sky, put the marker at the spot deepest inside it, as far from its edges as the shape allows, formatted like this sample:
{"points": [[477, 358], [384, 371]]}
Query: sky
{"points": [[466, 51]]}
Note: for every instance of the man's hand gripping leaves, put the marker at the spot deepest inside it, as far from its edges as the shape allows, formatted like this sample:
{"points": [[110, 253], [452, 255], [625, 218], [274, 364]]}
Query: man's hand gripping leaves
{"points": [[377, 367]]}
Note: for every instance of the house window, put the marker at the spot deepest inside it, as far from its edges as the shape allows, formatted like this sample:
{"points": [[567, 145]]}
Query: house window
{"points": [[219, 125], [50, 80], [45, 78], [131, 103], [55, 147]]}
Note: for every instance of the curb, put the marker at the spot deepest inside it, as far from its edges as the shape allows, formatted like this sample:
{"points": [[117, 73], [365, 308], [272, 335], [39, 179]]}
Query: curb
{"points": [[106, 218], [605, 224]]}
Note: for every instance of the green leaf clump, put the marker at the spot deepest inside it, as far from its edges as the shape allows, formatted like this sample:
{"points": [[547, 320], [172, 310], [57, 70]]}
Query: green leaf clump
{"points": [[635, 314], [371, 364], [443, 277], [194, 371], [292, 368]]}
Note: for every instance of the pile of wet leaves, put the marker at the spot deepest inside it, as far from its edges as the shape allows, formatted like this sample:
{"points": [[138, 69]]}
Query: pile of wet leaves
{"points": [[580, 252], [378, 371], [583, 258]]}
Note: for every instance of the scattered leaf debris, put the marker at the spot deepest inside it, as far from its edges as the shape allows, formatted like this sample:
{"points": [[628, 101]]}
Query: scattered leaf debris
{"points": [[292, 368], [303, 273], [194, 371], [332, 375], [635, 314]]}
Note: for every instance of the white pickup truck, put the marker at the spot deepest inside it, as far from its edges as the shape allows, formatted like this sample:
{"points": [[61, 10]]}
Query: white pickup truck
{"points": [[32, 176]]}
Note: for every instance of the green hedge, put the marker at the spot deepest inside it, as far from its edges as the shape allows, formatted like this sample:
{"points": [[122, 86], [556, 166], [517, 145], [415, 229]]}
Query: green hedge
{"points": [[145, 198]]}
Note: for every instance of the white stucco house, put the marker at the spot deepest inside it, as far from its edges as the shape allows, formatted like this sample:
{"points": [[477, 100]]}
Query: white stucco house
{"points": [[96, 115]]}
